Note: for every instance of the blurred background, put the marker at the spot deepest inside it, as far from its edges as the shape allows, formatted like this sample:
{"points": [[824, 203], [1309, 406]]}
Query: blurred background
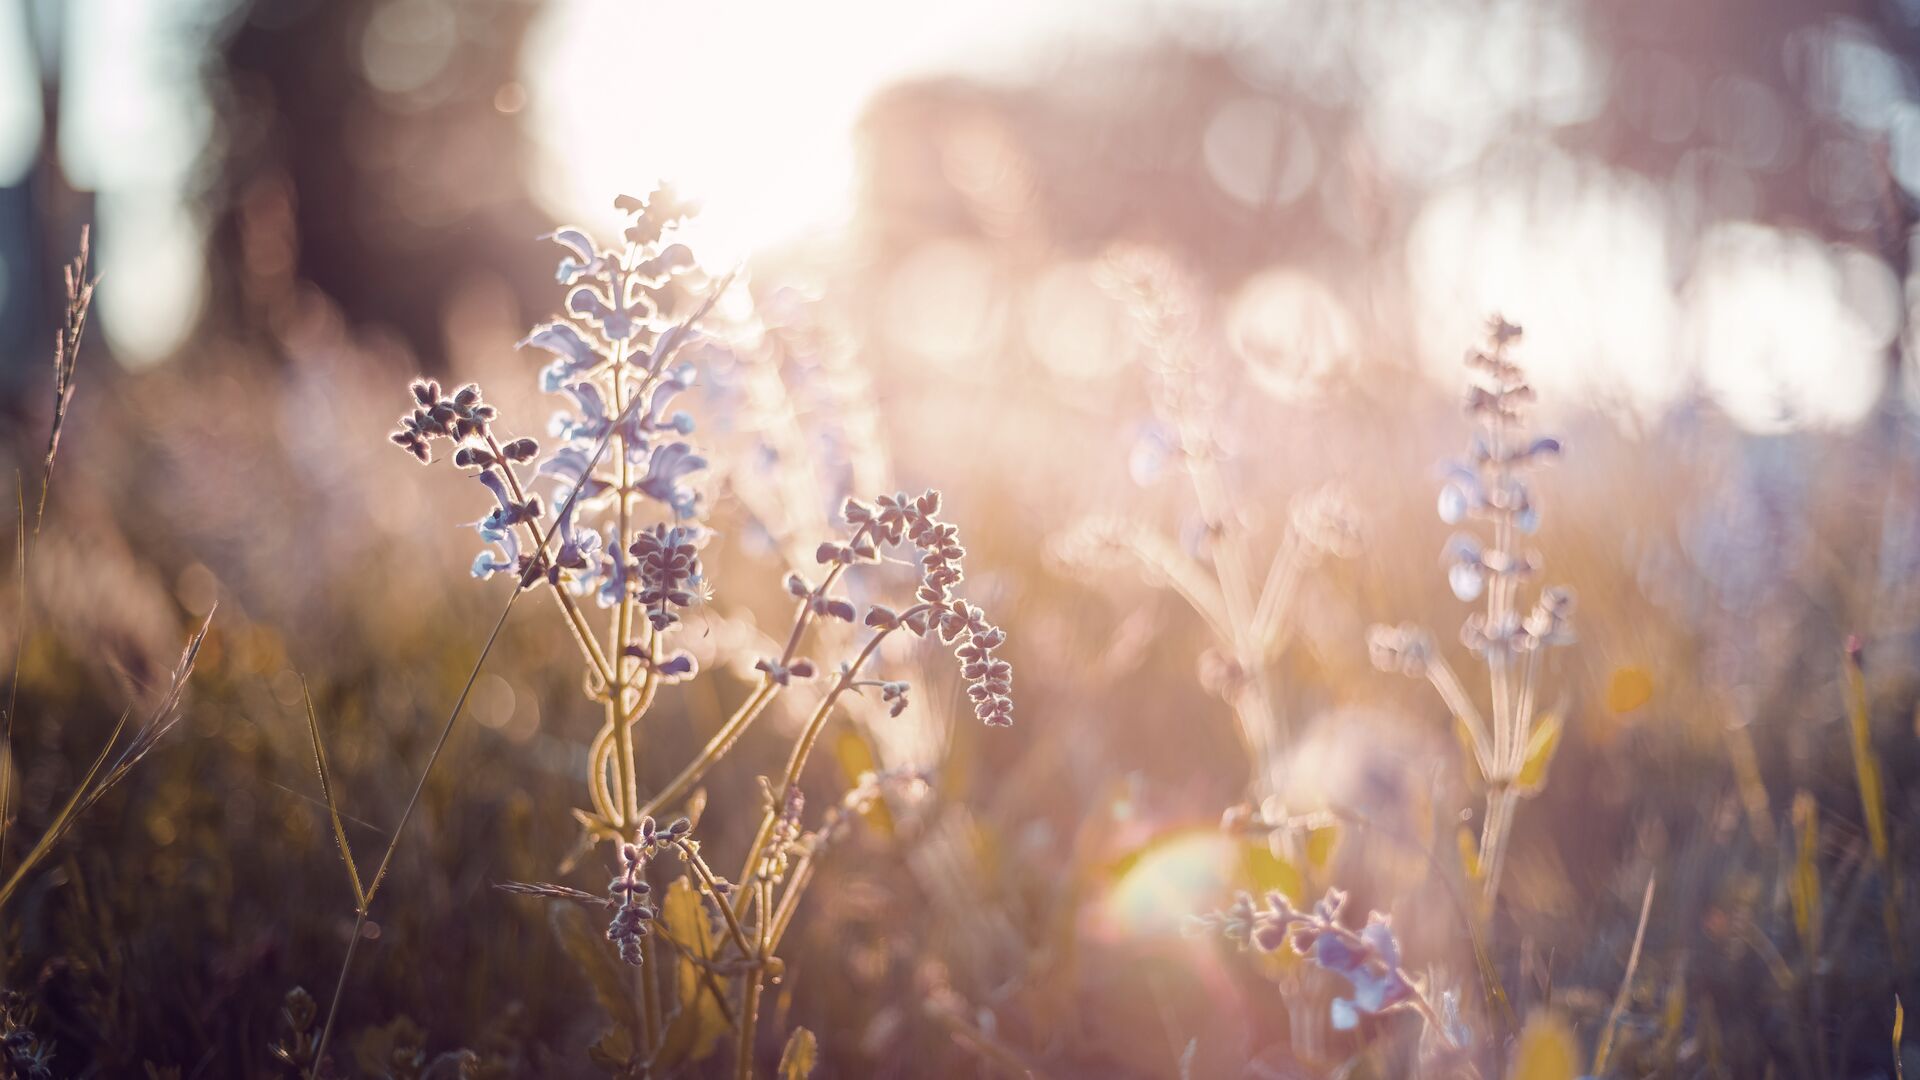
{"points": [[1701, 212]]}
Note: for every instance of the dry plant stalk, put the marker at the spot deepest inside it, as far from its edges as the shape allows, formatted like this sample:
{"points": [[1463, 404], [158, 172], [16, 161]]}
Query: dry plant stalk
{"points": [[108, 767]]}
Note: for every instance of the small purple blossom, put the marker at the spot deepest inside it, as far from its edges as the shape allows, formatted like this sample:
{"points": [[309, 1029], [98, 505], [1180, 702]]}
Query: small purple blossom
{"points": [[667, 470]]}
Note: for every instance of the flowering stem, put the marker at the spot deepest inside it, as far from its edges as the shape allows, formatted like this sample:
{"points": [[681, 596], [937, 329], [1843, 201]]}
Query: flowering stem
{"points": [[772, 922], [756, 702], [339, 989], [705, 873], [1440, 673], [1276, 596], [803, 748], [576, 621]]}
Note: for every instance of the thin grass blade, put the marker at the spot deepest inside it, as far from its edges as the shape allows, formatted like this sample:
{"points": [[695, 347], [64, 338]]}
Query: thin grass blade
{"points": [[333, 804]]}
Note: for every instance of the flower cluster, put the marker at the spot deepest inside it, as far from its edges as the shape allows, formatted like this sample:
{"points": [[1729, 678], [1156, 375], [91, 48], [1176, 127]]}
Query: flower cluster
{"points": [[632, 916], [1490, 486], [669, 571], [612, 363], [1368, 960], [458, 418], [22, 1050], [900, 518], [622, 523]]}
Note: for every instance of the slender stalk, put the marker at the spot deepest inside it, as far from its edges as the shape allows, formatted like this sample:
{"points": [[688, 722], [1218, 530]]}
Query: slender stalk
{"points": [[749, 1018], [628, 795], [803, 747], [19, 643], [705, 874], [67, 812], [755, 884], [339, 991], [716, 748], [1441, 674], [576, 620], [1619, 1009], [453, 717]]}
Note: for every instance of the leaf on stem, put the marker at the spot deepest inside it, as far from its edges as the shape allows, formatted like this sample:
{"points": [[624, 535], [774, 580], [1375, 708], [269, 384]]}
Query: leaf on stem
{"points": [[695, 1033], [800, 1056], [1540, 750]]}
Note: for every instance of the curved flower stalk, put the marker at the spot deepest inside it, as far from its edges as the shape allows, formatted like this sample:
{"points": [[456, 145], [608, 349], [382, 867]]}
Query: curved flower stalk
{"points": [[1368, 959], [621, 528], [810, 436], [1251, 619], [1512, 751]]}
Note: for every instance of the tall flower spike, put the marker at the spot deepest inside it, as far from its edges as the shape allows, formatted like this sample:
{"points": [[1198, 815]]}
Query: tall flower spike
{"points": [[1488, 488]]}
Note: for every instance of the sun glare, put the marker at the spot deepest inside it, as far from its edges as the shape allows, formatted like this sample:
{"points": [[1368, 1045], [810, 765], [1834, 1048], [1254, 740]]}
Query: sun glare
{"points": [[750, 108]]}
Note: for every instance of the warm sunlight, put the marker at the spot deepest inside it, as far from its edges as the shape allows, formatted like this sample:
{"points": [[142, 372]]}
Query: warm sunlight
{"points": [[1005, 540]]}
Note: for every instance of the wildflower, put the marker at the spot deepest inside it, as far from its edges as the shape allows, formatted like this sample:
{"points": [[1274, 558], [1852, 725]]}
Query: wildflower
{"points": [[632, 916], [667, 468], [574, 355], [584, 260], [784, 674], [669, 571], [487, 564], [1488, 486], [458, 418], [1368, 960], [1325, 521]]}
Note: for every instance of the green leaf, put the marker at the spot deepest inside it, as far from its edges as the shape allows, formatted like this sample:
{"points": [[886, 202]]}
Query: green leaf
{"points": [[800, 1056], [1866, 762]]}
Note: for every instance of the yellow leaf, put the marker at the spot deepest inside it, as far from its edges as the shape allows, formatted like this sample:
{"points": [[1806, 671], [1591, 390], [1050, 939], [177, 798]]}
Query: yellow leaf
{"points": [[1675, 1010], [1469, 853], [1804, 888], [1866, 763], [1266, 872], [1628, 689], [1322, 841], [798, 1059], [1540, 749], [696, 1032], [1899, 1022], [1547, 1050]]}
